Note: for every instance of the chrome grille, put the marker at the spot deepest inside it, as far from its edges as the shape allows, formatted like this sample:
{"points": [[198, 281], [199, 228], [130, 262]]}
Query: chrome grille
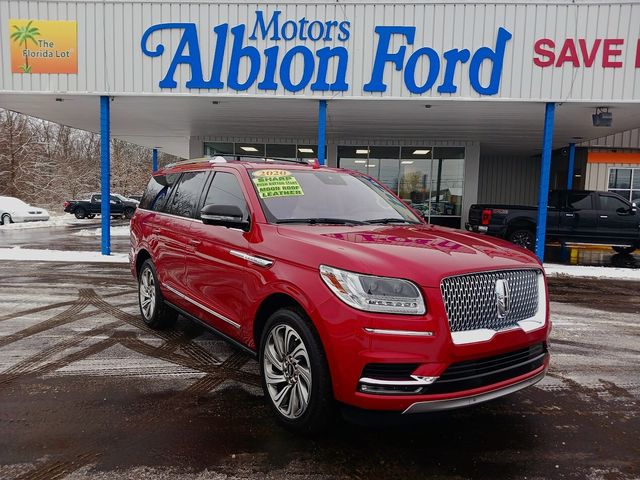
{"points": [[470, 300]]}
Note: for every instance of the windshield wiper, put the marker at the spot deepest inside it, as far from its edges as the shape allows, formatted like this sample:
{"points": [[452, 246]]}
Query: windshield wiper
{"points": [[391, 220], [318, 220]]}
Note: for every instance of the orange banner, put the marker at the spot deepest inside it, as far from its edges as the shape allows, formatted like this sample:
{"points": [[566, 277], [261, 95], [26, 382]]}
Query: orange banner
{"points": [[613, 157], [44, 46]]}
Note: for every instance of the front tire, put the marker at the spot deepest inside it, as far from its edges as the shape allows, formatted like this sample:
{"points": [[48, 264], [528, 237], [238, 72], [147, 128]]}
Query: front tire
{"points": [[295, 373], [91, 216], [128, 213], [155, 313], [523, 237], [6, 219], [624, 250]]}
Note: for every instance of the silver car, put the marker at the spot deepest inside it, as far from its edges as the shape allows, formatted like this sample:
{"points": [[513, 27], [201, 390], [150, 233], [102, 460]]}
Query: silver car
{"points": [[14, 210]]}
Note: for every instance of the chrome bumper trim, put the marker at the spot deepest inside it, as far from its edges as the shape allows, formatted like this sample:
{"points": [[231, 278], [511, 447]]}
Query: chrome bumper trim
{"points": [[417, 380], [406, 333], [448, 404]]}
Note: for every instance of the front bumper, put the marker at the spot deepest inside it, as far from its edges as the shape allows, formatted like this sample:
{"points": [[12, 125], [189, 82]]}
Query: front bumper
{"points": [[466, 401], [356, 339]]}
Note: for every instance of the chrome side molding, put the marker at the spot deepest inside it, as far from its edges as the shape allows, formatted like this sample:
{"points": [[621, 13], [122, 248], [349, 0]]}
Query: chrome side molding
{"points": [[261, 262], [199, 305]]}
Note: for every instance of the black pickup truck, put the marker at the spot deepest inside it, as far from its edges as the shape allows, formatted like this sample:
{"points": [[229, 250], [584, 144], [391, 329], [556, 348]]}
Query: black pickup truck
{"points": [[90, 208], [573, 217]]}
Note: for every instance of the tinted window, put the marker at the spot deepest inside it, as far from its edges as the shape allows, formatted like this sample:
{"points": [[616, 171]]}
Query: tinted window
{"points": [[611, 204], [554, 200], [187, 194], [225, 190], [157, 192], [580, 201]]}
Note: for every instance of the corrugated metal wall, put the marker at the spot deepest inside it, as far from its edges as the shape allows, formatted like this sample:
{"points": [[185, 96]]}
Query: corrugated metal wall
{"points": [[508, 179], [597, 176], [111, 60], [627, 139]]}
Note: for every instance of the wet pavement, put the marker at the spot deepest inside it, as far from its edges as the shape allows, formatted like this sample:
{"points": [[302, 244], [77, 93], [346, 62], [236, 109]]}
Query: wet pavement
{"points": [[65, 237], [87, 391]]}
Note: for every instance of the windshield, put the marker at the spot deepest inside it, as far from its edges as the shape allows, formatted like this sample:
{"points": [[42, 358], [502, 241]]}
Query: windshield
{"points": [[317, 196]]}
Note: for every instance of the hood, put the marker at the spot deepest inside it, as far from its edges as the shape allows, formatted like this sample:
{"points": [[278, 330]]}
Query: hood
{"points": [[424, 254]]}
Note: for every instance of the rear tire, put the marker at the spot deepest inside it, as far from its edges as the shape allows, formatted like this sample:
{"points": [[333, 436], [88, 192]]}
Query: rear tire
{"points": [[295, 374], [128, 213], [80, 213], [6, 219], [624, 250], [155, 313], [523, 237], [91, 216]]}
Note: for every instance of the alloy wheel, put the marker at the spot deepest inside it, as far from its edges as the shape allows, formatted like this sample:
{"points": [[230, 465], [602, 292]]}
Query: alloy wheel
{"points": [[147, 291], [287, 371]]}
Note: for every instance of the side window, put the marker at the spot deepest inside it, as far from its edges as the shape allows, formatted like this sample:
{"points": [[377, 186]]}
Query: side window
{"points": [[580, 201], [187, 193], [225, 190], [157, 192], [555, 198], [97, 198], [611, 204]]}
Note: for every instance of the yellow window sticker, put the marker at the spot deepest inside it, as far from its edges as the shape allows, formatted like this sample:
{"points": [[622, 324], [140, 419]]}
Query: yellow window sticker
{"points": [[276, 183]]}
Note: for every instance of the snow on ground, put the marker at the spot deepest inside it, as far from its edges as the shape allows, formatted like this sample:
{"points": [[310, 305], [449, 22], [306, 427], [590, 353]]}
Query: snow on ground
{"points": [[31, 254], [54, 221], [556, 270], [122, 231]]}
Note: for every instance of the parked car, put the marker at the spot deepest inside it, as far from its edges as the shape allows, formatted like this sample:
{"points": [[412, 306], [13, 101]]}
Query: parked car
{"points": [[120, 206], [14, 210], [341, 290], [577, 216]]}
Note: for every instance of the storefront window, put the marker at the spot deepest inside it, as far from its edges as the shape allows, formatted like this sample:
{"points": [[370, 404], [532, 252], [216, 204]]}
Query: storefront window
{"points": [[212, 149], [626, 183], [281, 151], [429, 179]]}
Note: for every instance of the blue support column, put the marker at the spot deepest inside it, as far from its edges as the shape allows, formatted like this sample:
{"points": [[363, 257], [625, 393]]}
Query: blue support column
{"points": [[322, 131], [105, 173], [570, 168], [545, 173], [154, 160]]}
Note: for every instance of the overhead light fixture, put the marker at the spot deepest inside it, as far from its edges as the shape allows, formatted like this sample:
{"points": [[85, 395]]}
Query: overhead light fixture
{"points": [[602, 118], [305, 150], [362, 151], [249, 149], [406, 162], [360, 161], [421, 152], [371, 165], [578, 175]]}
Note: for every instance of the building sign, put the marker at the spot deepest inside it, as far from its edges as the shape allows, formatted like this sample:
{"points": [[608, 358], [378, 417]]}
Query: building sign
{"points": [[318, 46], [43, 46]]}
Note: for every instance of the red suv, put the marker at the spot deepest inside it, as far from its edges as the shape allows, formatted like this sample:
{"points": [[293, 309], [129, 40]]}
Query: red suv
{"points": [[340, 289]]}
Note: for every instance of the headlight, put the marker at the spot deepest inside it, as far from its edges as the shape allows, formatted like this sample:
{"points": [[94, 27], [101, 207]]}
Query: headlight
{"points": [[374, 294]]}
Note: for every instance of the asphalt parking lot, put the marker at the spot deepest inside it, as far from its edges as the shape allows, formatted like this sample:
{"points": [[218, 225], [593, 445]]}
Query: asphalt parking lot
{"points": [[87, 391]]}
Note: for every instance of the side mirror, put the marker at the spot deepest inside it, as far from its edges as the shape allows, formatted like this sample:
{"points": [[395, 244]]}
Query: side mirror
{"points": [[229, 216]]}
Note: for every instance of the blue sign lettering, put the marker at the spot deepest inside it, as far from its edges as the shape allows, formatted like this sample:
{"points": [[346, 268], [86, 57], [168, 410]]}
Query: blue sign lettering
{"points": [[273, 67]]}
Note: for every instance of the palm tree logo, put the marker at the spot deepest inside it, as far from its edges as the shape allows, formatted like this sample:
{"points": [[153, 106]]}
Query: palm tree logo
{"points": [[21, 36]]}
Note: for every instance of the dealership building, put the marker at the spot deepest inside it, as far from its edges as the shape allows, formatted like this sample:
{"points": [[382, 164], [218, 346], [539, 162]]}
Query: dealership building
{"points": [[446, 103]]}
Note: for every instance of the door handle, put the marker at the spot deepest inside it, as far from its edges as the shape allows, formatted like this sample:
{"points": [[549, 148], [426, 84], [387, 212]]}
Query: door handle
{"points": [[194, 242], [604, 216]]}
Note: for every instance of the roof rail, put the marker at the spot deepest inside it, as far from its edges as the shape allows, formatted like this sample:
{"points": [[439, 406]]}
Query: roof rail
{"points": [[244, 158]]}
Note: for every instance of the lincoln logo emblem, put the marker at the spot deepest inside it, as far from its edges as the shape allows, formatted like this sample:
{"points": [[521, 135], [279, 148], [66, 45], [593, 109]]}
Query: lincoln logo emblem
{"points": [[502, 297]]}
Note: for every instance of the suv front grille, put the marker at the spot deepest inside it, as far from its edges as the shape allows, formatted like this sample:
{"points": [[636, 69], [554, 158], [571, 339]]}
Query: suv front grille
{"points": [[471, 304]]}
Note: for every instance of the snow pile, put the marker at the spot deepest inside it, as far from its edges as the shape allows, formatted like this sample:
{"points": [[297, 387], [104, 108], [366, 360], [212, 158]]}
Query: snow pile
{"points": [[54, 221], [26, 254], [555, 270], [122, 231]]}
